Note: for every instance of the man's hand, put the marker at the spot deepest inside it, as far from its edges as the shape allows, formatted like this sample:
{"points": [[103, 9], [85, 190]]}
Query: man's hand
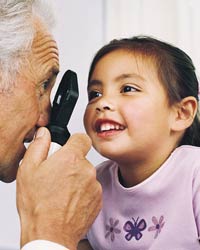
{"points": [[57, 197]]}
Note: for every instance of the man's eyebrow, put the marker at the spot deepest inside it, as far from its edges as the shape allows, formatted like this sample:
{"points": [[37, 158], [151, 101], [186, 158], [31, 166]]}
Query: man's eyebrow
{"points": [[55, 71]]}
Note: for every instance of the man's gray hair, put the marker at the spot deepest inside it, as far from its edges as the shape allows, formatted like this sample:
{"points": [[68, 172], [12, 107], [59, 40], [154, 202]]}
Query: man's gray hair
{"points": [[17, 34]]}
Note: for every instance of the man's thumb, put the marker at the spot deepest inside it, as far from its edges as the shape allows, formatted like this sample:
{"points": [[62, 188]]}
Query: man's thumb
{"points": [[38, 149], [79, 143]]}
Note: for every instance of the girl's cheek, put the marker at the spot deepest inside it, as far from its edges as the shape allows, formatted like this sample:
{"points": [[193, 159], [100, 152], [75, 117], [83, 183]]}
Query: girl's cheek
{"points": [[85, 119]]}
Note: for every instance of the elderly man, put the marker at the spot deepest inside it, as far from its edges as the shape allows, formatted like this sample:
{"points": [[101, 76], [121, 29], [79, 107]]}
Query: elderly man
{"points": [[59, 197]]}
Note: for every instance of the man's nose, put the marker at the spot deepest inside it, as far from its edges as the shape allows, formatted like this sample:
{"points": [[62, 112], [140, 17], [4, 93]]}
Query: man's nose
{"points": [[44, 117]]}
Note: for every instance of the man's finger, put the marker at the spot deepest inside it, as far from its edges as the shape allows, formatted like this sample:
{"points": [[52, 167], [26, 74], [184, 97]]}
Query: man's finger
{"points": [[80, 143], [38, 149]]}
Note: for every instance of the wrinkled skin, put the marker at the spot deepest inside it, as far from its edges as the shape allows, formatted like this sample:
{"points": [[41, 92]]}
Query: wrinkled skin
{"points": [[65, 210], [57, 198]]}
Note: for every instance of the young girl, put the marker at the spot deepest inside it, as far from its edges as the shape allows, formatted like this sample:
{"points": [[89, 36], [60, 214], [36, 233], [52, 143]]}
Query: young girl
{"points": [[142, 116]]}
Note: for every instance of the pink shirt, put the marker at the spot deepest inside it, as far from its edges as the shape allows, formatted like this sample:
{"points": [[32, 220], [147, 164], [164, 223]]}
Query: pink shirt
{"points": [[161, 213]]}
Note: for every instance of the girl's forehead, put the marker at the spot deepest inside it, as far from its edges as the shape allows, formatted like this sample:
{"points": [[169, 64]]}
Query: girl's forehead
{"points": [[123, 65], [135, 56], [126, 61]]}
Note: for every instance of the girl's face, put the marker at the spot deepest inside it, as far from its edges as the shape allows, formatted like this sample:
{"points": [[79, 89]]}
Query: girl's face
{"points": [[128, 116]]}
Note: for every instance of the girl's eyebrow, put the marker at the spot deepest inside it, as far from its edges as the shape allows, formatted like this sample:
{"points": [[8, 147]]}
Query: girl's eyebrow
{"points": [[126, 76], [94, 82]]}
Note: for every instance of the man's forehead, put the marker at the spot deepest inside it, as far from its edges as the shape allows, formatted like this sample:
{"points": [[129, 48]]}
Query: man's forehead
{"points": [[45, 50]]}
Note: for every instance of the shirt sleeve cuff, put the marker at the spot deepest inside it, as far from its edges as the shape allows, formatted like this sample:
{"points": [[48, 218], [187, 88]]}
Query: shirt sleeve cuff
{"points": [[43, 245]]}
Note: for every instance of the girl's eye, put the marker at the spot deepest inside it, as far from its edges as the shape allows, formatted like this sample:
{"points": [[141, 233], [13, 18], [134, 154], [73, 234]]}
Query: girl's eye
{"points": [[128, 89], [93, 94]]}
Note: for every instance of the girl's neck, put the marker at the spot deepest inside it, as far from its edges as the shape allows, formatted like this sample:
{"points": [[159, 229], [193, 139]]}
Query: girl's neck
{"points": [[131, 174]]}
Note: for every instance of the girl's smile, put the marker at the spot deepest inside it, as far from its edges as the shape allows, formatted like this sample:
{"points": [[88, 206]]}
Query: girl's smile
{"points": [[128, 113], [106, 128]]}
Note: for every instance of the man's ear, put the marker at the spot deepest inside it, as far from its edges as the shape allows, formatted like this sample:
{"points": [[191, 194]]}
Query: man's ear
{"points": [[185, 112]]}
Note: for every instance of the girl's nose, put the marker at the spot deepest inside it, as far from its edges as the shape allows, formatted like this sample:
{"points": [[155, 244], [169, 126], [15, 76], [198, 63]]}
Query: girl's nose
{"points": [[104, 105], [103, 108]]}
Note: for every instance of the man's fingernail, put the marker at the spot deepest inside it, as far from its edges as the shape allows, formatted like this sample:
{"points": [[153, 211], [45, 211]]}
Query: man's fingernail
{"points": [[40, 132]]}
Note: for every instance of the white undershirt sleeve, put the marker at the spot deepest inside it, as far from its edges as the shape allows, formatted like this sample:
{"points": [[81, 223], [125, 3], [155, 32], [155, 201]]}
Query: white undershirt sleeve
{"points": [[43, 245]]}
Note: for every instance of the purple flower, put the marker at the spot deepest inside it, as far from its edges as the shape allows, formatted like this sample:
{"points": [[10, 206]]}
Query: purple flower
{"points": [[158, 225], [111, 229]]}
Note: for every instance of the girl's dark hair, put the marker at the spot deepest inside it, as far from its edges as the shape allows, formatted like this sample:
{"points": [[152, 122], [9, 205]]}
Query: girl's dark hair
{"points": [[175, 71]]}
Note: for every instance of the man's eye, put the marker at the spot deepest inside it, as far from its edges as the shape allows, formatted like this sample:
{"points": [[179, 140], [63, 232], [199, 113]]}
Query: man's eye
{"points": [[93, 94], [128, 89], [46, 84]]}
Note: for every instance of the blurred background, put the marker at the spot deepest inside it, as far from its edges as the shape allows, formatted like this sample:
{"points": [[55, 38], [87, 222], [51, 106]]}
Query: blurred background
{"points": [[82, 27]]}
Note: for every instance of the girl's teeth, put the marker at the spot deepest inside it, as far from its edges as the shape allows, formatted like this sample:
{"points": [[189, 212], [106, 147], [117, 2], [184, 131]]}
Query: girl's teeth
{"points": [[112, 126], [107, 127]]}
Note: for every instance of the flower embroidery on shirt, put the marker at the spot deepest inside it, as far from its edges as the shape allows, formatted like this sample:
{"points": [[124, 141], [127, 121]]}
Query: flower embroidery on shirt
{"points": [[112, 229], [158, 225]]}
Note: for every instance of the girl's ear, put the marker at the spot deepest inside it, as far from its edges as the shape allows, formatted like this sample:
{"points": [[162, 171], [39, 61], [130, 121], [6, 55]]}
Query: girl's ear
{"points": [[185, 112]]}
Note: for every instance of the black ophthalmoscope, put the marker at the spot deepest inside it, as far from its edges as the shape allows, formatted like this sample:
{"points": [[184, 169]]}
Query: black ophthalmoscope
{"points": [[63, 106]]}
